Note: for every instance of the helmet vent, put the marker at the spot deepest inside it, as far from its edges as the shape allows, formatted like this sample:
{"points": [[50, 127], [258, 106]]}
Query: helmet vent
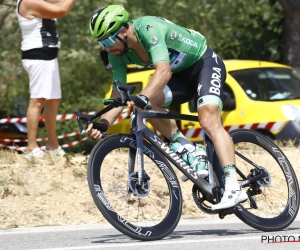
{"points": [[100, 25], [93, 25], [111, 25], [105, 15]]}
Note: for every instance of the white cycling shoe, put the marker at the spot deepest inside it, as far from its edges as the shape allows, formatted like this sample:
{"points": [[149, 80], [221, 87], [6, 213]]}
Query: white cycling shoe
{"points": [[230, 199]]}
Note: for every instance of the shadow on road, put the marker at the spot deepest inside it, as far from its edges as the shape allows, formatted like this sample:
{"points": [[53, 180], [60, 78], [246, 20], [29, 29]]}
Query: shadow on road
{"points": [[223, 232], [121, 238]]}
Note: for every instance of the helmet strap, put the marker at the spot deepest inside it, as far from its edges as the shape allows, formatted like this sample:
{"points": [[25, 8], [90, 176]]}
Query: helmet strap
{"points": [[124, 41]]}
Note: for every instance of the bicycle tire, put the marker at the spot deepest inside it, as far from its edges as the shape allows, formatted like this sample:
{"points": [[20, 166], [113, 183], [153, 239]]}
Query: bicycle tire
{"points": [[289, 213], [135, 231]]}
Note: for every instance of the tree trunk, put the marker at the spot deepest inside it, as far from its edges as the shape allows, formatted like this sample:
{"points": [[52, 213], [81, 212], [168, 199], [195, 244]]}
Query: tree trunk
{"points": [[291, 10]]}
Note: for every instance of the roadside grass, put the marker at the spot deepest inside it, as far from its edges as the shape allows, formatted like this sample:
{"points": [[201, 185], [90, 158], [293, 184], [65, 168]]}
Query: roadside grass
{"points": [[13, 167]]}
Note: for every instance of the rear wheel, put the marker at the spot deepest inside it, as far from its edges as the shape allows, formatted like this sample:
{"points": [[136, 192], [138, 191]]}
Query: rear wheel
{"points": [[147, 212], [274, 197]]}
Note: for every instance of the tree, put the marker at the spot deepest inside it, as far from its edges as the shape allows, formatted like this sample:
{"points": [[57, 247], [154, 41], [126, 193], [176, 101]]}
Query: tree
{"points": [[10, 71], [291, 10], [235, 29], [251, 29]]}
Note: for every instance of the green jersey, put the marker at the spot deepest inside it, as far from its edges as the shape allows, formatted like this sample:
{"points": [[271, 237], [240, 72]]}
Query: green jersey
{"points": [[163, 41]]}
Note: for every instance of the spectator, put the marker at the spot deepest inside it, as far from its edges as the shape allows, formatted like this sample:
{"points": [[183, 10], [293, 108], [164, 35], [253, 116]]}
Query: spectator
{"points": [[40, 45]]}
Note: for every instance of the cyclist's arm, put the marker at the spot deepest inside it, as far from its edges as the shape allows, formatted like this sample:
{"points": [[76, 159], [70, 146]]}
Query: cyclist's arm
{"points": [[111, 116], [108, 118], [45, 9], [119, 73], [119, 69], [155, 40], [159, 79]]}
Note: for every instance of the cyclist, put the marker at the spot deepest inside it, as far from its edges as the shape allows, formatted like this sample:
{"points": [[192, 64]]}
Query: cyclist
{"points": [[185, 67]]}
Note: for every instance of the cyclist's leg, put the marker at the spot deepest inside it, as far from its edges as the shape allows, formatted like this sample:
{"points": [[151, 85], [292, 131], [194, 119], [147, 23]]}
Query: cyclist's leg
{"points": [[175, 90], [210, 90], [165, 126]]}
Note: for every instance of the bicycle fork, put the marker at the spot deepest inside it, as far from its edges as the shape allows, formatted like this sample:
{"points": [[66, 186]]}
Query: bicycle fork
{"points": [[138, 153]]}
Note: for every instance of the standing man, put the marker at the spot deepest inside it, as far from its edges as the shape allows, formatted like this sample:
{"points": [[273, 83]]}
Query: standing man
{"points": [[40, 45]]}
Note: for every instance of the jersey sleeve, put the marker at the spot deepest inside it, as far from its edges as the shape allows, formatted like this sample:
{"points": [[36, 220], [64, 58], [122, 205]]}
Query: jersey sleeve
{"points": [[119, 68], [153, 36]]}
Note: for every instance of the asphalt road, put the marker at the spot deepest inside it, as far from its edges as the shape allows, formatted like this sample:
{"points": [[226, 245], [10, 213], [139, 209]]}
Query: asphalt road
{"points": [[212, 234]]}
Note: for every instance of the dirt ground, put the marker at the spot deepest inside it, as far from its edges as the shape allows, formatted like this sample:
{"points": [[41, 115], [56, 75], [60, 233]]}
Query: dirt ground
{"points": [[54, 191]]}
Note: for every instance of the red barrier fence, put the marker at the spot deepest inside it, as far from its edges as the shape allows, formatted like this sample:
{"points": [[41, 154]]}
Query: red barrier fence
{"points": [[124, 114]]}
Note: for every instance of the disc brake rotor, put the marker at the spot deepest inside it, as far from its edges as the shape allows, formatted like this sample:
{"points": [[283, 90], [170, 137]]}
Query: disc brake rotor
{"points": [[142, 190]]}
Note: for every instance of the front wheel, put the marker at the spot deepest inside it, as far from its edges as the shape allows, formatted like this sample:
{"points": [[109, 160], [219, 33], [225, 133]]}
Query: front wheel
{"points": [[273, 201], [147, 212]]}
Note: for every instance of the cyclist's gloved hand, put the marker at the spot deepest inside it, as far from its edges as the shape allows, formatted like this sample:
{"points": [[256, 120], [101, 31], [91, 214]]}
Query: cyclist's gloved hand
{"points": [[141, 101], [96, 130]]}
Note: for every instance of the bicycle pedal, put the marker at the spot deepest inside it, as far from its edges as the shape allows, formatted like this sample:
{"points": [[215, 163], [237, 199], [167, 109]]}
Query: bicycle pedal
{"points": [[224, 212]]}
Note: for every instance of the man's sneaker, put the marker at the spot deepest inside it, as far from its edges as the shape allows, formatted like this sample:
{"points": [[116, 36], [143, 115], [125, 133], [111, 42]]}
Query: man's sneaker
{"points": [[197, 159], [230, 198], [59, 151], [35, 153]]}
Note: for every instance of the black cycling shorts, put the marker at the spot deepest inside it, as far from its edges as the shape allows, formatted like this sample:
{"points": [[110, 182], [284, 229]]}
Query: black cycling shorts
{"points": [[205, 77]]}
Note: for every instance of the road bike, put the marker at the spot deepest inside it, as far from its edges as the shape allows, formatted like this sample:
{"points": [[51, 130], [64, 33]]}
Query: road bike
{"points": [[137, 191]]}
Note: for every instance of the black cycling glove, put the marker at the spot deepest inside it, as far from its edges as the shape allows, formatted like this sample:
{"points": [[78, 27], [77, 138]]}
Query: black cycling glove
{"points": [[140, 101], [101, 126]]}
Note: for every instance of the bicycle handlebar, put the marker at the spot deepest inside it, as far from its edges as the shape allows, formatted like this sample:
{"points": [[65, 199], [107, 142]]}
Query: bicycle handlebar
{"points": [[124, 91]]}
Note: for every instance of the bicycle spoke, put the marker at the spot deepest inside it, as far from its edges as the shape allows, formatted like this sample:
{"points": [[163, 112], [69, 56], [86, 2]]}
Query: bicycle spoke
{"points": [[269, 202], [273, 189], [141, 210], [246, 159]]}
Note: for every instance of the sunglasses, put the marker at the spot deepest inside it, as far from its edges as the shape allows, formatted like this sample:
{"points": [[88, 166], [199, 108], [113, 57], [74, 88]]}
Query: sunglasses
{"points": [[109, 41]]}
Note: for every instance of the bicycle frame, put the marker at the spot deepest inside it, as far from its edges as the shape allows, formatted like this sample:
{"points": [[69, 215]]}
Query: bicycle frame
{"points": [[210, 188], [140, 130]]}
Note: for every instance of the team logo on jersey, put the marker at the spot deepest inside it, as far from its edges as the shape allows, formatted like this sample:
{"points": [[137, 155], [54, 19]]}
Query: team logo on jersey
{"points": [[187, 41], [148, 27], [138, 27], [153, 40], [215, 56], [173, 35]]}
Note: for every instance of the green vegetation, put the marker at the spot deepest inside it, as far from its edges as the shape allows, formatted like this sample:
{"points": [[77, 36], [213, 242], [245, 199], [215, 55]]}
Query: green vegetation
{"points": [[251, 29]]}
